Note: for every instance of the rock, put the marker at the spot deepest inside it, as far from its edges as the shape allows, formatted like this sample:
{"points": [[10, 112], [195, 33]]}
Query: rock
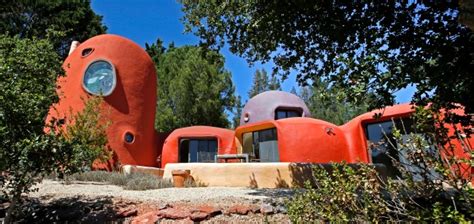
{"points": [[267, 209], [210, 210], [174, 213], [281, 209], [127, 212], [255, 209], [199, 216], [239, 209], [149, 217], [164, 206]]}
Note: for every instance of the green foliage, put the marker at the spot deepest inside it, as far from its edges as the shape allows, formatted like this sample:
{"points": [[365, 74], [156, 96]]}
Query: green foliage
{"points": [[28, 72], [341, 195], [331, 104], [360, 47], [193, 87], [262, 82], [237, 113], [433, 184], [86, 135], [28, 19]]}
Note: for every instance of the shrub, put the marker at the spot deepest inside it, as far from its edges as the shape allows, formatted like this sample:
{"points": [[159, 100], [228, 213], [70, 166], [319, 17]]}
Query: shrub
{"points": [[146, 182], [28, 73], [95, 176], [133, 181], [432, 185]]}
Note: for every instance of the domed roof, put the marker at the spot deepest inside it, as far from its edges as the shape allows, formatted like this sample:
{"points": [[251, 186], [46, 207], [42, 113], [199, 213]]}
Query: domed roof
{"points": [[264, 105]]}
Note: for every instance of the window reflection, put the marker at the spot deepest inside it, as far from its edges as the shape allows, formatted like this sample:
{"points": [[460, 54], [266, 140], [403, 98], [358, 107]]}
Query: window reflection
{"points": [[261, 146], [197, 150], [287, 113]]}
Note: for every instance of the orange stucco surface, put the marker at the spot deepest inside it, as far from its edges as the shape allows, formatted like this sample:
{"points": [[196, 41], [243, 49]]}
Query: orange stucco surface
{"points": [[130, 107], [225, 141]]}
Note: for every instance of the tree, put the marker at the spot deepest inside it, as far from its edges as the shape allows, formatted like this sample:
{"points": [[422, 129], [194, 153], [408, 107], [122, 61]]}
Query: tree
{"points": [[262, 82], [293, 90], [28, 73], [331, 104], [274, 83], [29, 19], [193, 87], [237, 112], [359, 47], [259, 83]]}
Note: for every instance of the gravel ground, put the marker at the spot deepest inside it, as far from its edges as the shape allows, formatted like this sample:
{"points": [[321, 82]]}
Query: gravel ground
{"points": [[49, 188], [53, 195]]}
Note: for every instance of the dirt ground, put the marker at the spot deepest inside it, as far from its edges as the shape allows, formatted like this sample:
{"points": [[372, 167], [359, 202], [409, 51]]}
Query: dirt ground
{"points": [[91, 202]]}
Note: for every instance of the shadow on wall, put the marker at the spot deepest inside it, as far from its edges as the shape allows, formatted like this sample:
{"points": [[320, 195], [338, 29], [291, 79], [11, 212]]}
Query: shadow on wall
{"points": [[120, 101], [302, 172], [281, 182], [253, 181]]}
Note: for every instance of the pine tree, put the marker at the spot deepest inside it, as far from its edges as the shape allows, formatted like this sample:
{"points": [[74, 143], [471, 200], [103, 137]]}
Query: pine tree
{"points": [[274, 83], [237, 112], [260, 83], [293, 90]]}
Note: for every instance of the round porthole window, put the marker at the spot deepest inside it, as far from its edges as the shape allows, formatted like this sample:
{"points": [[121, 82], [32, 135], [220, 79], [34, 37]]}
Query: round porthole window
{"points": [[99, 78], [129, 137]]}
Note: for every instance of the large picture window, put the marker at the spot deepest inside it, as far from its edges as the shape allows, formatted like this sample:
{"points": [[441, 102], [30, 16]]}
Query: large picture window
{"points": [[197, 150], [261, 146]]}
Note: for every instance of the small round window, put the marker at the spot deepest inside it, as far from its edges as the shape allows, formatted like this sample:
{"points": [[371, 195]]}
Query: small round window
{"points": [[129, 137], [99, 78]]}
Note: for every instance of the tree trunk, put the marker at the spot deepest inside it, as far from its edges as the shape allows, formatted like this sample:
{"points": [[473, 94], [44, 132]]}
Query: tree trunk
{"points": [[11, 209]]}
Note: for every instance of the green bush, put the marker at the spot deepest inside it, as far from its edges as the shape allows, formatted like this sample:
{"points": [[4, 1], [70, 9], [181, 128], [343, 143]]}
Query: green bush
{"points": [[432, 185], [28, 73]]}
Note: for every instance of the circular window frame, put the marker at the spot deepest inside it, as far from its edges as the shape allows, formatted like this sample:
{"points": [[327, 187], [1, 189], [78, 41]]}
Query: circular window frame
{"points": [[114, 83], [125, 137]]}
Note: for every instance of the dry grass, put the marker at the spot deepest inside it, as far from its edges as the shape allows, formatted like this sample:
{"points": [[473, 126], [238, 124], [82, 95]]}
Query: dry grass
{"points": [[133, 181]]}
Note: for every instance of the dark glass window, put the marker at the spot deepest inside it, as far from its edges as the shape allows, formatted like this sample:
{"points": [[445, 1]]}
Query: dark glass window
{"points": [[382, 144], [262, 146], [197, 150], [129, 137], [286, 113]]}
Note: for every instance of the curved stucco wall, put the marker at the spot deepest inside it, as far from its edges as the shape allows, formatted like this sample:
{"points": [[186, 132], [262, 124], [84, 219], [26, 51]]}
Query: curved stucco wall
{"points": [[262, 106], [131, 105]]}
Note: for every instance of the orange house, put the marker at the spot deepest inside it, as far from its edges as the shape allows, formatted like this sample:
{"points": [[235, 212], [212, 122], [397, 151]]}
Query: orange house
{"points": [[123, 73], [275, 126]]}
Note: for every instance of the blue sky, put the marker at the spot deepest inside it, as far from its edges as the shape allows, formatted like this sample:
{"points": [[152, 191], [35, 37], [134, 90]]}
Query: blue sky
{"points": [[143, 21]]}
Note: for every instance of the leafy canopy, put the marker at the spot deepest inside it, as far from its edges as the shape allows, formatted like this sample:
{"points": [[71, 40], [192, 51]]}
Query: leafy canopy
{"points": [[30, 19], [359, 46], [193, 87], [28, 72]]}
